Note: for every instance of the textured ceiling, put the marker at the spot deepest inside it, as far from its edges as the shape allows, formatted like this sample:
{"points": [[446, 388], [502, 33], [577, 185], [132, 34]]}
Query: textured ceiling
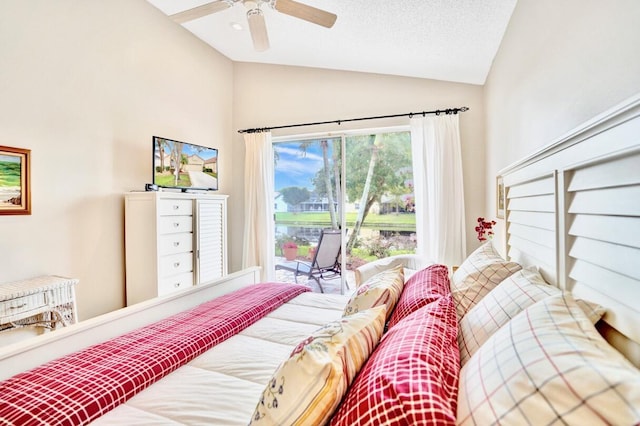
{"points": [[451, 40]]}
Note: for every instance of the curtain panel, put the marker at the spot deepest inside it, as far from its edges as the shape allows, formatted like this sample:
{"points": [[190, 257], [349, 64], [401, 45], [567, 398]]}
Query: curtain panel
{"points": [[258, 249], [438, 185]]}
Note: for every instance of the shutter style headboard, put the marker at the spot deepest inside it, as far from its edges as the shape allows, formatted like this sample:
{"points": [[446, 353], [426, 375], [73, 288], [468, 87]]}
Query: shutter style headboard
{"points": [[573, 210]]}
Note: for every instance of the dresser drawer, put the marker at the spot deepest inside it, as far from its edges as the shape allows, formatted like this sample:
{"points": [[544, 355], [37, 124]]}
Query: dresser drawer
{"points": [[22, 305], [177, 282], [171, 207], [175, 243], [175, 264], [174, 224]]}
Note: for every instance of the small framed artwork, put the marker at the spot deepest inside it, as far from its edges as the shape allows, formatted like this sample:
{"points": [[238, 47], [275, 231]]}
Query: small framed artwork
{"points": [[500, 201], [15, 191]]}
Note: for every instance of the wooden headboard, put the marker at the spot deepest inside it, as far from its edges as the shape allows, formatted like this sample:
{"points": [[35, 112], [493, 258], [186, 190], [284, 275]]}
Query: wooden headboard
{"points": [[573, 209]]}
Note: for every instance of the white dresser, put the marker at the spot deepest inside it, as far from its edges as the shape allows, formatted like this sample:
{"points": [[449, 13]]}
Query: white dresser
{"points": [[173, 241], [46, 301]]}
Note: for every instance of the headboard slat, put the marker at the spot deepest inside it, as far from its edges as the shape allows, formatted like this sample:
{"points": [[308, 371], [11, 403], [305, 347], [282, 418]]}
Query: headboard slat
{"points": [[593, 178]]}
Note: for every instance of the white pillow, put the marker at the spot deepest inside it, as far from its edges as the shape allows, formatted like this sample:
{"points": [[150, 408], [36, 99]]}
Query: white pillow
{"points": [[509, 298], [480, 273], [548, 365]]}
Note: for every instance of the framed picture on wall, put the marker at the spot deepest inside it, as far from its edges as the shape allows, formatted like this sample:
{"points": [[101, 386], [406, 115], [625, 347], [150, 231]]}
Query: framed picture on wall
{"points": [[500, 197], [15, 191]]}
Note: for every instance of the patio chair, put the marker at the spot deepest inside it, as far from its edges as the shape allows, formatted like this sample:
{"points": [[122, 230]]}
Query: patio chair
{"points": [[325, 263]]}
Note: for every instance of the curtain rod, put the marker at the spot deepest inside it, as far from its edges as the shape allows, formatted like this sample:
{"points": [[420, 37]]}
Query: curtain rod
{"points": [[338, 122]]}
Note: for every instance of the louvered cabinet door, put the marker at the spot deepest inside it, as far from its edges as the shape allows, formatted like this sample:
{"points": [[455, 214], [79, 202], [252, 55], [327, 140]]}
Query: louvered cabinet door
{"points": [[211, 239]]}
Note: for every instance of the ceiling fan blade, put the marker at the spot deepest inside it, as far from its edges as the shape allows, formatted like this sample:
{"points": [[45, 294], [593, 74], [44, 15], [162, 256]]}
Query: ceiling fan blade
{"points": [[200, 11], [308, 13], [258, 29]]}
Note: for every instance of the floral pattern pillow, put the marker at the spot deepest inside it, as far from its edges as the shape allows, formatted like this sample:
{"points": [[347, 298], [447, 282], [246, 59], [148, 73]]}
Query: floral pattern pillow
{"points": [[307, 388], [384, 288]]}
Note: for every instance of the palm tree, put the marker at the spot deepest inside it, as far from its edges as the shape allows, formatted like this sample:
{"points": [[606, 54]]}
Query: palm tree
{"points": [[324, 144], [176, 159], [375, 140], [161, 144], [327, 181]]}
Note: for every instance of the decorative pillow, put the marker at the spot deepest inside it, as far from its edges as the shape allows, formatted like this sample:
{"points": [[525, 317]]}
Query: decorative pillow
{"points": [[512, 296], [549, 365], [307, 388], [424, 287], [383, 288], [412, 376], [478, 275]]}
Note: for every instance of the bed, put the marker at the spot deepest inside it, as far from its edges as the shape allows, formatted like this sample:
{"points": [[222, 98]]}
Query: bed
{"points": [[509, 337]]}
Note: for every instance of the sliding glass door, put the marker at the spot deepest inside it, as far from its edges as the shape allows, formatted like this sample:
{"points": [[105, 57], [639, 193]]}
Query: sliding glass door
{"points": [[359, 183]]}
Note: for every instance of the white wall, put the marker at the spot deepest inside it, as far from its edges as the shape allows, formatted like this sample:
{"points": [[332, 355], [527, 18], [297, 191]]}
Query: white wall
{"points": [[560, 63], [270, 95], [85, 85]]}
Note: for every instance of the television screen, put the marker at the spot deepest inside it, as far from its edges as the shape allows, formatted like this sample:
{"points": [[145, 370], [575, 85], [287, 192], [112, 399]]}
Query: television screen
{"points": [[184, 165]]}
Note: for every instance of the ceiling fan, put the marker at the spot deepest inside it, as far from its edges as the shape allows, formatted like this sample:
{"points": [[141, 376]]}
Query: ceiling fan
{"points": [[255, 16]]}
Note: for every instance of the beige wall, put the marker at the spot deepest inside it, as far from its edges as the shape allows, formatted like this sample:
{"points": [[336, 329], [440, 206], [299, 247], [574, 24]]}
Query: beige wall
{"points": [[560, 64], [270, 95], [85, 85]]}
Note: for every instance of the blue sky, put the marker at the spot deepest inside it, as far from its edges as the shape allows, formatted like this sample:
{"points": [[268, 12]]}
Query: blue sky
{"points": [[188, 149], [295, 169], [10, 158]]}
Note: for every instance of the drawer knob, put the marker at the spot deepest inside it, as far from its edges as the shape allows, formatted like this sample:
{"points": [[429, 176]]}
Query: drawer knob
{"points": [[176, 207], [176, 224], [18, 307], [176, 285], [176, 264], [176, 243]]}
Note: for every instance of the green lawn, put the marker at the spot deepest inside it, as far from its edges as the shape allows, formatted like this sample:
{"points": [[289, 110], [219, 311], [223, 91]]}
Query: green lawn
{"points": [[9, 174], [400, 221], [169, 180]]}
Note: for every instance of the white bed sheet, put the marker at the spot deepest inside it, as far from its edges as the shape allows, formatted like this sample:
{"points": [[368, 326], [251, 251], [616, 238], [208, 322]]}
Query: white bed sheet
{"points": [[223, 385]]}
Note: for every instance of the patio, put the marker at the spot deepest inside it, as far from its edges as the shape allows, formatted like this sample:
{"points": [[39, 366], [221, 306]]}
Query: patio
{"points": [[331, 286]]}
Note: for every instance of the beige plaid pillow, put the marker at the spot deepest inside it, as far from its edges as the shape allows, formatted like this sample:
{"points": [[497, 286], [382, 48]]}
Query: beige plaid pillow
{"points": [[512, 296], [480, 273], [509, 298], [548, 365]]}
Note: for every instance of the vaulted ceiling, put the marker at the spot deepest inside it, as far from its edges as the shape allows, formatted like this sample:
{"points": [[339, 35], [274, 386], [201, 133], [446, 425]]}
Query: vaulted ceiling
{"points": [[436, 39]]}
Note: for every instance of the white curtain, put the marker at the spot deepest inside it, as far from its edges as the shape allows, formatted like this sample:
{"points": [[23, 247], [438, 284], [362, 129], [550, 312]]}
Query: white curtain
{"points": [[439, 194], [258, 248]]}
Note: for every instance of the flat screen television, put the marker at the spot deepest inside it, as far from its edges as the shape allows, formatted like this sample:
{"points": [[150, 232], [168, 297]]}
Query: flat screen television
{"points": [[184, 166]]}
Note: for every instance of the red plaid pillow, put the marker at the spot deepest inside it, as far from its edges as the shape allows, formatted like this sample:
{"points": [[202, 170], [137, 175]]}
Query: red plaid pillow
{"points": [[422, 288], [82, 386], [412, 376]]}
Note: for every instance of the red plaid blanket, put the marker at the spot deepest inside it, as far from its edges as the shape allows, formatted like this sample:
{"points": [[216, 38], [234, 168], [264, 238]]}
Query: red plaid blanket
{"points": [[82, 386]]}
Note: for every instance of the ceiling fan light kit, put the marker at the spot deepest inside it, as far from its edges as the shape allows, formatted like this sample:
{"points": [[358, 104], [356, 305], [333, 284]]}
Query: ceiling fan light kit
{"points": [[255, 16]]}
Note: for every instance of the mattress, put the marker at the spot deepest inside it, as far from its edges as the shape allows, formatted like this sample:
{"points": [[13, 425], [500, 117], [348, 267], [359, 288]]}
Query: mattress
{"points": [[223, 385]]}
